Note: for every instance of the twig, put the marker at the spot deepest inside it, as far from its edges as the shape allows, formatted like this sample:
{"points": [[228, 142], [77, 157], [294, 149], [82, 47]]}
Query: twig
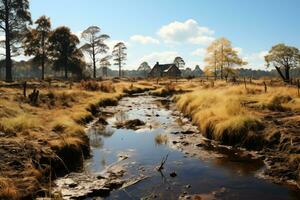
{"points": [[163, 161]]}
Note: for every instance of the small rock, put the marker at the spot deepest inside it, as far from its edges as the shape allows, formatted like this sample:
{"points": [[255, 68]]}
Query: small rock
{"points": [[100, 177], [188, 132], [188, 186], [173, 174], [102, 121], [73, 185]]}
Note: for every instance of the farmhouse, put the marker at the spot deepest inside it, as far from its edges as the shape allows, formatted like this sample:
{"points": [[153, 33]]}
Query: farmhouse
{"points": [[165, 70]]}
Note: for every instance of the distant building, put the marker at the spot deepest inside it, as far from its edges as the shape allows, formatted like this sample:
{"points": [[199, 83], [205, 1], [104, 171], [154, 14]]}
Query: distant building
{"points": [[166, 70]]}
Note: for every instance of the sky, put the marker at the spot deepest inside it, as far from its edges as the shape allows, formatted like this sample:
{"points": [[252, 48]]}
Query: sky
{"points": [[159, 30]]}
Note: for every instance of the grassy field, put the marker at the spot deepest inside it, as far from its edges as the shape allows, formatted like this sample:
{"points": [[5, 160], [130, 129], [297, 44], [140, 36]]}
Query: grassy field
{"points": [[37, 139], [250, 117]]}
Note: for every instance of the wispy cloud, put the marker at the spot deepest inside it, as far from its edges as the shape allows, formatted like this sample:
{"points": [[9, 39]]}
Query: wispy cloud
{"points": [[162, 57], [144, 39], [199, 52]]}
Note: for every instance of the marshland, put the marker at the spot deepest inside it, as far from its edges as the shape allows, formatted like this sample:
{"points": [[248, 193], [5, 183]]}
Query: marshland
{"points": [[174, 110]]}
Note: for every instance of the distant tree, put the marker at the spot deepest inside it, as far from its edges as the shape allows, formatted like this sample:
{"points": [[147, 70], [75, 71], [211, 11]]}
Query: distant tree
{"points": [[179, 62], [14, 19], [119, 54], [64, 51], [94, 44], [220, 54], [144, 68], [105, 64], [283, 57], [197, 71], [36, 42]]}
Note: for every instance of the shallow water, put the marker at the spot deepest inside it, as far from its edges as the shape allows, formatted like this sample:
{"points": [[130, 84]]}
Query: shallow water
{"points": [[213, 174]]}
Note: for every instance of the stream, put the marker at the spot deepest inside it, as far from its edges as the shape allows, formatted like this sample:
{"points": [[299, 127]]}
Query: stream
{"points": [[195, 168]]}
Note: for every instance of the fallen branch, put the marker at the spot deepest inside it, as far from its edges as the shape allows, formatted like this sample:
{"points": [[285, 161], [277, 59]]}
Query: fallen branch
{"points": [[162, 163]]}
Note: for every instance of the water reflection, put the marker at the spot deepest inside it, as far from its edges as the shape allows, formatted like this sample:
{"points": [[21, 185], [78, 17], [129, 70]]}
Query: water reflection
{"points": [[121, 117], [146, 147]]}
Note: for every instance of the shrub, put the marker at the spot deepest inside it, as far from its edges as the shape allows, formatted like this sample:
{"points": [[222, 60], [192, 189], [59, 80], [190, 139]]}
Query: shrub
{"points": [[90, 85]]}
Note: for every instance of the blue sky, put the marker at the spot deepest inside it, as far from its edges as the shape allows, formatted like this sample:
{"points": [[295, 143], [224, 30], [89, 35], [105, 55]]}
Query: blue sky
{"points": [[158, 30]]}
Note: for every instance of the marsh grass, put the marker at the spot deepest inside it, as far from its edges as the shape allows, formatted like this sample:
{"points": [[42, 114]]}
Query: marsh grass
{"points": [[229, 113], [52, 130], [219, 114], [161, 139], [8, 190]]}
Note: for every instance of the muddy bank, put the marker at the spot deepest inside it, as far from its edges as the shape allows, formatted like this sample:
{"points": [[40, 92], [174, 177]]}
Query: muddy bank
{"points": [[276, 144], [195, 167]]}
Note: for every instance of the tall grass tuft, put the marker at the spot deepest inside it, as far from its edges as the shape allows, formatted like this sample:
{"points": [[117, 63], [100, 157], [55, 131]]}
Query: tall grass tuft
{"points": [[219, 114]]}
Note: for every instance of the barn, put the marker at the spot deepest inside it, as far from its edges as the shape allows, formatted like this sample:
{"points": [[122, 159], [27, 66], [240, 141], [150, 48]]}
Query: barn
{"points": [[165, 70]]}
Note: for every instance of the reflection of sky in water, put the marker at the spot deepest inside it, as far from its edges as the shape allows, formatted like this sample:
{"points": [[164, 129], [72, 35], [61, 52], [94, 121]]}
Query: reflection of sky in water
{"points": [[205, 176]]}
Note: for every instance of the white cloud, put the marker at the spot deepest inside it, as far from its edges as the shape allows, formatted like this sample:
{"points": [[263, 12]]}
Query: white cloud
{"points": [[144, 39], [161, 57], [256, 60], [111, 43], [199, 52], [189, 31]]}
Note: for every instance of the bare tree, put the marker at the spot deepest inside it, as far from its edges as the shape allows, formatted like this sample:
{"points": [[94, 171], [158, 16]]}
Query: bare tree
{"points": [[119, 54], [14, 18], [94, 45]]}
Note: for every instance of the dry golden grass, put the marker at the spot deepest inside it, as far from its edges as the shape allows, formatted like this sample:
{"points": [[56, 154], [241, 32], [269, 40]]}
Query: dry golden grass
{"points": [[218, 114], [57, 122], [230, 113], [161, 139], [8, 191]]}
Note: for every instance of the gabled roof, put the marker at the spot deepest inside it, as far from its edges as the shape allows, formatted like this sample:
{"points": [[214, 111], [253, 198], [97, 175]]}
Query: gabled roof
{"points": [[164, 67]]}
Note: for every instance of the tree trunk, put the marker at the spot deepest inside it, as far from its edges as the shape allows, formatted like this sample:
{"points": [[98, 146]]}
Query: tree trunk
{"points": [[280, 73], [120, 72], [94, 63], [66, 69], [43, 57], [287, 74], [43, 69], [8, 61]]}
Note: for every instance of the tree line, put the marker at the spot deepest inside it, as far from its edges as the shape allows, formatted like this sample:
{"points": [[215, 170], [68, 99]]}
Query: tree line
{"points": [[59, 48], [222, 60]]}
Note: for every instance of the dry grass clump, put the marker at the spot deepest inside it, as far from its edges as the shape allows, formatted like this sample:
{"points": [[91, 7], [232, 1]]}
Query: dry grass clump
{"points": [[168, 90], [52, 99], [107, 87], [92, 85], [52, 129], [19, 123], [161, 139], [8, 190], [277, 99], [219, 115]]}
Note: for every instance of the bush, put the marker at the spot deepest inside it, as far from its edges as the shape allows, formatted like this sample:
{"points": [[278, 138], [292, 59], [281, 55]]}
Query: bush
{"points": [[90, 85]]}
